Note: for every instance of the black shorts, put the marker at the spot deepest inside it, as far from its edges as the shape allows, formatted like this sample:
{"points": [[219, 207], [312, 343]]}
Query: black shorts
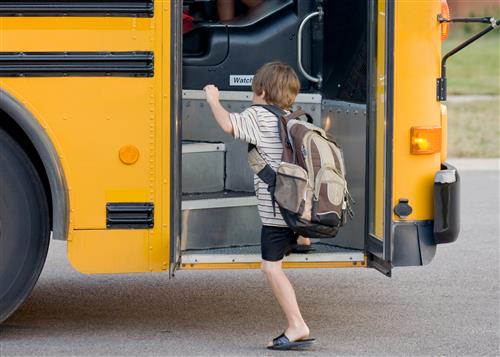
{"points": [[276, 242]]}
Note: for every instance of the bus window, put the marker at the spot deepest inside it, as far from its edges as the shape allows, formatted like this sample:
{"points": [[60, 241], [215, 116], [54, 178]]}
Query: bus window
{"points": [[221, 11], [229, 9], [217, 51]]}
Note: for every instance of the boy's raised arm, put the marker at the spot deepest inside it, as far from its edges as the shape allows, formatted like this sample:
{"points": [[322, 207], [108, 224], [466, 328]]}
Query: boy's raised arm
{"points": [[221, 115]]}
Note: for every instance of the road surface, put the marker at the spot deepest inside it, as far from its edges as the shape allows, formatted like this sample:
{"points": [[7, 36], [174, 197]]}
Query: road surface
{"points": [[450, 307]]}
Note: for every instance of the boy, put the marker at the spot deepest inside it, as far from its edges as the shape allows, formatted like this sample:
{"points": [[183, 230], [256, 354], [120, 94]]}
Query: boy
{"points": [[275, 84]]}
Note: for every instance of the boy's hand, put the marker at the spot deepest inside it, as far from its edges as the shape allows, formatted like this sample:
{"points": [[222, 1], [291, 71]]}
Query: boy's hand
{"points": [[221, 115], [212, 93]]}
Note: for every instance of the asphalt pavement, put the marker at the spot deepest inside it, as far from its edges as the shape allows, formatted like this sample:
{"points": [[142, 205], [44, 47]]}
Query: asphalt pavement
{"points": [[449, 307]]}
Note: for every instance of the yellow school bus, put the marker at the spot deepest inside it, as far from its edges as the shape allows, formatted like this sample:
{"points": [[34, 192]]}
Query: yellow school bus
{"points": [[106, 141]]}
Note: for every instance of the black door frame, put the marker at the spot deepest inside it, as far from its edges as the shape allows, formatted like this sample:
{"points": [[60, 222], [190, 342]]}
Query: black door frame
{"points": [[379, 252]]}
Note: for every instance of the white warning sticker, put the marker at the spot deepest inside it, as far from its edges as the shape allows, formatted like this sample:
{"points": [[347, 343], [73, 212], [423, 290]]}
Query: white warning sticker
{"points": [[244, 80]]}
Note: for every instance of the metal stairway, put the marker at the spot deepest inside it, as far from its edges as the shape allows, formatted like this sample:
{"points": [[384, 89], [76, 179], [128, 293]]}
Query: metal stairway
{"points": [[221, 226], [212, 216]]}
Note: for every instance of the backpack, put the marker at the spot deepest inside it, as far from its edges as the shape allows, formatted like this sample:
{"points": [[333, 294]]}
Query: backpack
{"points": [[309, 185]]}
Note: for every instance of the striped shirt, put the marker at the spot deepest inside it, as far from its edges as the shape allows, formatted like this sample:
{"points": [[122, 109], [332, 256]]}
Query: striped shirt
{"points": [[256, 125]]}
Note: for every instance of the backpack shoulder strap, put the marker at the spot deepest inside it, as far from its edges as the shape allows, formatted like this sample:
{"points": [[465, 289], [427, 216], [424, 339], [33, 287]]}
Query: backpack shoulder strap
{"points": [[272, 108], [297, 114], [283, 119], [262, 169], [280, 113]]}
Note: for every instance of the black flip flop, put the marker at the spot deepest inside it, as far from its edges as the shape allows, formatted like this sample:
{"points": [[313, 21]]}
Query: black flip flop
{"points": [[282, 343], [302, 249]]}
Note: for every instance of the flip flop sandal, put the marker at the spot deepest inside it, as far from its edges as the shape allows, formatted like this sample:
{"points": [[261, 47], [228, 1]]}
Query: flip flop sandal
{"points": [[303, 249], [282, 343]]}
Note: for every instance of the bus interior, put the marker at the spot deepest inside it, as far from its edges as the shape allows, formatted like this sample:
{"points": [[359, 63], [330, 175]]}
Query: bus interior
{"points": [[220, 223]]}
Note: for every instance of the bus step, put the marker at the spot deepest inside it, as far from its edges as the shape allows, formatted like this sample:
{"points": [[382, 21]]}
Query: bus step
{"points": [[203, 166], [218, 220], [323, 255]]}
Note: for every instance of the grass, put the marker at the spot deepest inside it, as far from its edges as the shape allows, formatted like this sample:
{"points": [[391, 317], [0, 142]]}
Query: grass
{"points": [[474, 128], [475, 69]]}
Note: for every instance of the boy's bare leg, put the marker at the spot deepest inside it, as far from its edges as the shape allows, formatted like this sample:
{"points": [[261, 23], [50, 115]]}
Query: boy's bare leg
{"points": [[284, 293], [225, 10], [303, 241]]}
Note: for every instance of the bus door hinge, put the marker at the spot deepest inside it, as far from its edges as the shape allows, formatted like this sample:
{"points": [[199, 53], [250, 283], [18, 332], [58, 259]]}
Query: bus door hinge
{"points": [[441, 89]]}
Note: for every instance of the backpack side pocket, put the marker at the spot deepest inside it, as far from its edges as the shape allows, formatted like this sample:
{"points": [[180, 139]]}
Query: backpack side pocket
{"points": [[291, 186], [329, 197]]}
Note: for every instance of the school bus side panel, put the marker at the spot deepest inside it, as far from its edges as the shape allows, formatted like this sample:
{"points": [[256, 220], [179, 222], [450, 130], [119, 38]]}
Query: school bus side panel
{"points": [[417, 62], [417, 51], [90, 119]]}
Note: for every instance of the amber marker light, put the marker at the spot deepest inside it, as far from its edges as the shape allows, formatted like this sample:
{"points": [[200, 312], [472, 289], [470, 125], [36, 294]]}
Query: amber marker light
{"points": [[425, 140], [445, 26], [129, 154]]}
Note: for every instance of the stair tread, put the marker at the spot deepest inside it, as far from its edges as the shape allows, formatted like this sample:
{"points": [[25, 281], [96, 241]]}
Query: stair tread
{"points": [[192, 147], [218, 200], [251, 254], [255, 249], [216, 195]]}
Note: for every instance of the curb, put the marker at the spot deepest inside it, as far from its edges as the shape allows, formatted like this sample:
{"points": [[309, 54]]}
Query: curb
{"points": [[475, 164]]}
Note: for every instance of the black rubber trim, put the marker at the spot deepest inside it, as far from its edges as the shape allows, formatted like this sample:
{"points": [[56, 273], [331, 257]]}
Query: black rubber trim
{"points": [[175, 135], [447, 209], [413, 243], [370, 115], [381, 265], [389, 127], [30, 125], [76, 64], [381, 250], [131, 215], [87, 8]]}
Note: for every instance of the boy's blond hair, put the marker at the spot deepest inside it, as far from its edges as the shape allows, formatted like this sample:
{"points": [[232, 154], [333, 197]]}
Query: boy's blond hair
{"points": [[279, 83]]}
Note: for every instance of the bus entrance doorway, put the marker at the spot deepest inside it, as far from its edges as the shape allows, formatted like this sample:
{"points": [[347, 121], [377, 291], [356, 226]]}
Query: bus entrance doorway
{"points": [[220, 224]]}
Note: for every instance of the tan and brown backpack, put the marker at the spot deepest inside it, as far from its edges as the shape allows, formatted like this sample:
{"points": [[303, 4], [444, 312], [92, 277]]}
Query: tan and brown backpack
{"points": [[309, 186]]}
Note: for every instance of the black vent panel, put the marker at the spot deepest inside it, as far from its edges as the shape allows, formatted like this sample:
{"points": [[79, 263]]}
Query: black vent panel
{"points": [[130, 215], [104, 8], [76, 64]]}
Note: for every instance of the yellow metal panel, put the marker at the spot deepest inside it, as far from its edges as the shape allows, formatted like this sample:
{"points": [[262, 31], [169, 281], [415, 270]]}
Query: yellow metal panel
{"points": [[109, 251], [76, 34], [90, 119], [127, 195], [444, 133], [416, 67]]}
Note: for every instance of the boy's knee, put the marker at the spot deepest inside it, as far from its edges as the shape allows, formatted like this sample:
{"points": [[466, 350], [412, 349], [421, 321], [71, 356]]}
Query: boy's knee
{"points": [[270, 268]]}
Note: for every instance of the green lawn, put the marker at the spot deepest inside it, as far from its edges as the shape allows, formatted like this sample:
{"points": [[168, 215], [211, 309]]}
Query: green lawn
{"points": [[475, 69], [474, 126]]}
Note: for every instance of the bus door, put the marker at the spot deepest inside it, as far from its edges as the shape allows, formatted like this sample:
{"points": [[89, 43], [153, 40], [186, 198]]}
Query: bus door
{"points": [[175, 84], [379, 136], [354, 78]]}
